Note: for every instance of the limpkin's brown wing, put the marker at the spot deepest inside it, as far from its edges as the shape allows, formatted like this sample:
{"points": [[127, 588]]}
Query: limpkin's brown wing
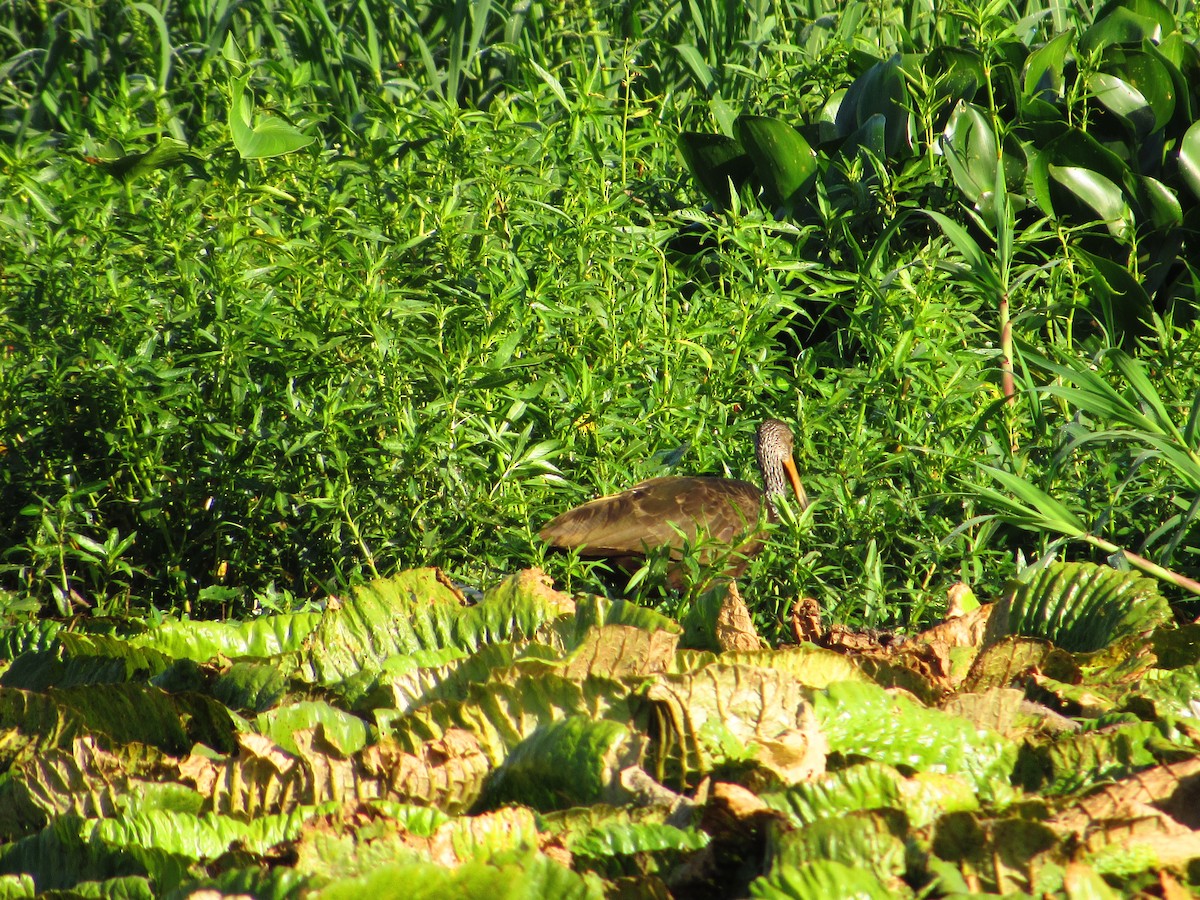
{"points": [[723, 509]]}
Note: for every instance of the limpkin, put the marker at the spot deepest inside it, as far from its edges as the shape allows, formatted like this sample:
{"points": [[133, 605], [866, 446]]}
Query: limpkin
{"points": [[725, 513]]}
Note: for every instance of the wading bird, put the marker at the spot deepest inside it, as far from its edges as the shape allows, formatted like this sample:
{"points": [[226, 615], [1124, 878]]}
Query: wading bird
{"points": [[721, 517]]}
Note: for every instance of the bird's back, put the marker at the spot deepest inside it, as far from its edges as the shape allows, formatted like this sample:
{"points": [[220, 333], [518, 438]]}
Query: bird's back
{"points": [[653, 513]]}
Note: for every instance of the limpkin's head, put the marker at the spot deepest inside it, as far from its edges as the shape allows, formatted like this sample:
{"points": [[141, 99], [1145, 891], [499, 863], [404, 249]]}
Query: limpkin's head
{"points": [[773, 447]]}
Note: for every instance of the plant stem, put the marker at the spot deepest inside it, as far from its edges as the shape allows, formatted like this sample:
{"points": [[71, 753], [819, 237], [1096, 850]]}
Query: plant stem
{"points": [[1144, 565]]}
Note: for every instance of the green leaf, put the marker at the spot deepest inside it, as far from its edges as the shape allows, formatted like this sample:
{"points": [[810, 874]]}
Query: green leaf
{"points": [[783, 160], [1144, 76], [879, 96], [820, 880], [1189, 158], [269, 137], [1127, 22], [531, 877], [868, 840], [864, 720], [971, 150], [1123, 100], [571, 762], [345, 732], [718, 163], [1081, 606], [1044, 69], [1097, 192], [1033, 508]]}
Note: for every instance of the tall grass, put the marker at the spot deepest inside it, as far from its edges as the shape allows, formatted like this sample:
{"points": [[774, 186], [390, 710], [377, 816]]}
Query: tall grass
{"points": [[486, 292]]}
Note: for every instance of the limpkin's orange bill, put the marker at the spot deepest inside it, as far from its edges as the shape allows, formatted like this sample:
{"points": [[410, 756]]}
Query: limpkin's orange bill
{"points": [[789, 466]]}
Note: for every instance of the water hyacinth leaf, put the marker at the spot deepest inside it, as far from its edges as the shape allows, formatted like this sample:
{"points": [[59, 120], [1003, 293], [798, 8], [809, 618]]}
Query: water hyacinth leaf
{"points": [[1082, 607], [1189, 158], [959, 73], [879, 95], [416, 611], [730, 713], [531, 877], [1098, 193], [970, 148], [1043, 78], [1146, 73], [202, 641], [783, 160], [250, 686], [572, 762], [592, 611], [1123, 100], [868, 785], [623, 838], [1127, 22], [1157, 204], [509, 707], [720, 164]]}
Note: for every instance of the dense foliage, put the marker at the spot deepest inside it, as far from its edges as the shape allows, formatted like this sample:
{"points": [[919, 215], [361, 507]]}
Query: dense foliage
{"points": [[296, 295], [403, 744], [478, 288]]}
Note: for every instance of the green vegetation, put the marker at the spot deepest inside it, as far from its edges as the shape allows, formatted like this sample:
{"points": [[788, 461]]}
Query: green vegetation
{"points": [[297, 295], [297, 299]]}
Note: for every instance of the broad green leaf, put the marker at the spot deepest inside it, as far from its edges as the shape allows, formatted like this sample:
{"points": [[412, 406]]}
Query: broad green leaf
{"points": [[1043, 78], [251, 686], [1098, 193], [878, 98], [1143, 74], [723, 714], [571, 762], [85, 659], [820, 880], [270, 136], [1189, 158], [202, 641], [1081, 606], [198, 837], [534, 877], [1127, 22], [509, 707], [347, 733], [784, 162], [1123, 100], [959, 72], [592, 611], [621, 838], [416, 611], [865, 721], [1157, 203], [870, 840], [970, 148], [718, 163], [1082, 761], [858, 787]]}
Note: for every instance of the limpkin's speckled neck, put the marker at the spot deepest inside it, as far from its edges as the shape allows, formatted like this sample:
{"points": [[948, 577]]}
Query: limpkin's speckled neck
{"points": [[772, 445]]}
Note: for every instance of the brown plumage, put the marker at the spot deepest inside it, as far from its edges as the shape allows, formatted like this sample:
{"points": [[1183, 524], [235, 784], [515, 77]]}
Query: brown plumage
{"points": [[671, 511]]}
